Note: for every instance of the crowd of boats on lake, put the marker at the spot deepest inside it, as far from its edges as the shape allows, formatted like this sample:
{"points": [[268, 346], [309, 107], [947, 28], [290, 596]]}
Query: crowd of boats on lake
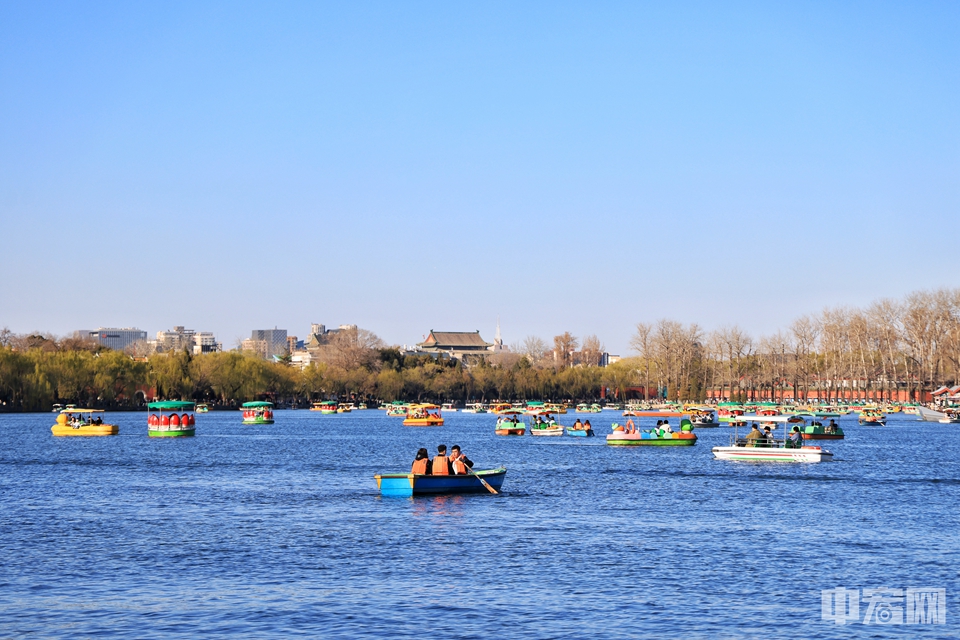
{"points": [[772, 432]]}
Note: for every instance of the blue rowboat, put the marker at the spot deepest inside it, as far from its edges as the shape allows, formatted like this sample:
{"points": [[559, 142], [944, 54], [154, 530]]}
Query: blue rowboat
{"points": [[408, 484], [580, 433]]}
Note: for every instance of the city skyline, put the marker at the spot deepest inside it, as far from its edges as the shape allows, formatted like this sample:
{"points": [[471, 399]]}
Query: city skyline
{"points": [[237, 343]]}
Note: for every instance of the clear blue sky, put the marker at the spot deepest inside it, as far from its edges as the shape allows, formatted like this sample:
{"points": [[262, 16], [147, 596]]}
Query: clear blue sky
{"points": [[413, 166]]}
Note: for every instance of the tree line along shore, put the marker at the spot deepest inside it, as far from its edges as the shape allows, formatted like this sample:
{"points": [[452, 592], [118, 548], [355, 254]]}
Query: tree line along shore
{"points": [[894, 350]]}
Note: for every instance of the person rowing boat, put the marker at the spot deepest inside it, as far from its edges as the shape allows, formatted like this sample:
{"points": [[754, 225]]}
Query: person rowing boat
{"points": [[459, 463]]}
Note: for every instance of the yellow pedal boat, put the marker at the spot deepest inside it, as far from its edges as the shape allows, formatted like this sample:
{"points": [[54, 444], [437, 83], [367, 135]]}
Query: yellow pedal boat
{"points": [[83, 422]]}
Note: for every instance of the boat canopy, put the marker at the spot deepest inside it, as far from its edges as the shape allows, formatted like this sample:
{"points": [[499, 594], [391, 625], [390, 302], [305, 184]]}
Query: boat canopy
{"points": [[172, 405], [254, 405], [82, 411], [511, 412], [757, 418], [424, 406]]}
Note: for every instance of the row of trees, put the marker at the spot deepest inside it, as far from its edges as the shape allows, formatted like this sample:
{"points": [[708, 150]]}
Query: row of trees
{"points": [[899, 350], [35, 379]]}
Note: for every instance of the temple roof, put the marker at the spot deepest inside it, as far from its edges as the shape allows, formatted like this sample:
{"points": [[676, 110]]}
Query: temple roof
{"points": [[454, 340]]}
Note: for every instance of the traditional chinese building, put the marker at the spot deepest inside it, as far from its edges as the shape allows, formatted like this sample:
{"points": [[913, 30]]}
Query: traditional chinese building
{"points": [[466, 346]]}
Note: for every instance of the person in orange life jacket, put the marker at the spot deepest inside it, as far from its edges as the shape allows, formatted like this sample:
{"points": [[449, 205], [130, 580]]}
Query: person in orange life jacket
{"points": [[441, 463], [459, 462], [421, 464]]}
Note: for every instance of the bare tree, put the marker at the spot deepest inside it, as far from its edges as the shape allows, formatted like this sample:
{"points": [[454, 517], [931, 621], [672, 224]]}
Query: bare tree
{"points": [[591, 350], [806, 333], [352, 348], [735, 345], [641, 343], [563, 347], [534, 349]]}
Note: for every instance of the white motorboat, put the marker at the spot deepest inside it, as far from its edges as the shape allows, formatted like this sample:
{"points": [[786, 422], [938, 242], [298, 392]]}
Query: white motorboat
{"points": [[474, 408], [770, 450], [929, 415]]}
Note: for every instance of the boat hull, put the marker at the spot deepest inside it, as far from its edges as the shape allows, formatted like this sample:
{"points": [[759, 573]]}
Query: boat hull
{"points": [[772, 454], [929, 415], [405, 485], [620, 439], [654, 414], [822, 436], [171, 433], [546, 432], [423, 422], [580, 433], [85, 430], [257, 421], [512, 431]]}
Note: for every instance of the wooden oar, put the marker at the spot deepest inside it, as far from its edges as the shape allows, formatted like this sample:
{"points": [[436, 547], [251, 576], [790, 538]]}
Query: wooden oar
{"points": [[482, 481]]}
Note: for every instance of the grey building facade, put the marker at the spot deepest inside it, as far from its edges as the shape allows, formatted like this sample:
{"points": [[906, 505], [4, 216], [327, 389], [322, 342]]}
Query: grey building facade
{"points": [[117, 339]]}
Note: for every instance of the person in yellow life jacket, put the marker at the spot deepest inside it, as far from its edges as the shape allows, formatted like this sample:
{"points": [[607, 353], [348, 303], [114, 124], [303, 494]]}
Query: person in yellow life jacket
{"points": [[441, 463], [421, 464], [459, 462]]}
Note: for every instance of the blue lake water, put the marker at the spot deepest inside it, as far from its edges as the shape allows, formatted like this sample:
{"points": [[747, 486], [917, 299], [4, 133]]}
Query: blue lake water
{"points": [[279, 531]]}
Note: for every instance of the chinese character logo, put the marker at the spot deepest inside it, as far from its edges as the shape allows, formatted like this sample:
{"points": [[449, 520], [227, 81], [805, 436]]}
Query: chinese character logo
{"points": [[840, 605], [884, 606], [926, 605]]}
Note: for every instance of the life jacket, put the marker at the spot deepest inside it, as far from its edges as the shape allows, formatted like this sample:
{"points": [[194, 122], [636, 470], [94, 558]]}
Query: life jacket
{"points": [[440, 467], [459, 467], [420, 466]]}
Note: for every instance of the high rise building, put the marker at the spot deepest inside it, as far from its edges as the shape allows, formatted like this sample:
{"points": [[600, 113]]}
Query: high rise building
{"points": [[205, 342], [177, 340], [267, 342], [117, 339], [183, 339]]}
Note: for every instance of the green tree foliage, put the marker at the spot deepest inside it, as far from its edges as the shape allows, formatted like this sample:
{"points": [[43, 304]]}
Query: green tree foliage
{"points": [[891, 350]]}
